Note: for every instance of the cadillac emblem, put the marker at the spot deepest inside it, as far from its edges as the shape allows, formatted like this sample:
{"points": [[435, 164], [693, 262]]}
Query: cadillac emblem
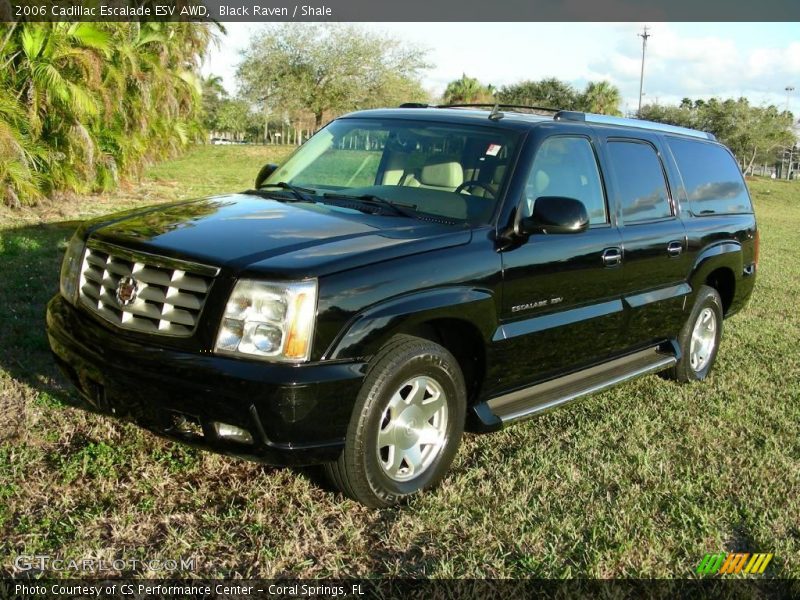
{"points": [[127, 288]]}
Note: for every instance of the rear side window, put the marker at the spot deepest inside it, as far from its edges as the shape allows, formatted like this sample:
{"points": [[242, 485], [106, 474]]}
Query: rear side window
{"points": [[640, 181], [711, 178]]}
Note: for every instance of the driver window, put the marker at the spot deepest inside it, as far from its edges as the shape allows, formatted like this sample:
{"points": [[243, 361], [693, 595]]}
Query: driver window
{"points": [[566, 166]]}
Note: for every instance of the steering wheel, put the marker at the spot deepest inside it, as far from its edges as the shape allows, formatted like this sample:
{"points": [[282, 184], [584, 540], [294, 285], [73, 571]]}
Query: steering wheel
{"points": [[468, 185]]}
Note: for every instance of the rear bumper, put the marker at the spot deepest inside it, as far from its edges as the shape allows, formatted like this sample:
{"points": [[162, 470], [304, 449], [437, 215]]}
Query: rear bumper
{"points": [[295, 414]]}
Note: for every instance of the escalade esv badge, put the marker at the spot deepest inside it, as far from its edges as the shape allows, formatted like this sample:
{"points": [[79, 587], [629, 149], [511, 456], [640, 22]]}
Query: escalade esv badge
{"points": [[127, 289]]}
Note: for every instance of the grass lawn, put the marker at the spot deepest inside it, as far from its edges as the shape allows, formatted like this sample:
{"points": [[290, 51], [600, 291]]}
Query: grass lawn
{"points": [[639, 481]]}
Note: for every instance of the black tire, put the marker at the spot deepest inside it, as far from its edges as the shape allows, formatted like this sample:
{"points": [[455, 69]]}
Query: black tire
{"points": [[684, 371], [360, 472]]}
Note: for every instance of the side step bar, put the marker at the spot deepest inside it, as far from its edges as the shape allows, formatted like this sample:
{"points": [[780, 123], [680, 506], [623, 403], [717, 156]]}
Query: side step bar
{"points": [[539, 398]]}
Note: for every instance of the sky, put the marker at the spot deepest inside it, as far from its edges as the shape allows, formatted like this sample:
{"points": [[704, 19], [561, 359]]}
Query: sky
{"points": [[697, 60]]}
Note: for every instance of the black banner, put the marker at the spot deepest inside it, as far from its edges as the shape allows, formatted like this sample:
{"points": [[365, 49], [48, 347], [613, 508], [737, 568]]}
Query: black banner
{"points": [[268, 11], [405, 589]]}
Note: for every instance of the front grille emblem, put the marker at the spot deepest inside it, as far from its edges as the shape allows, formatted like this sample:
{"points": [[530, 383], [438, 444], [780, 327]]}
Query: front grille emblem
{"points": [[127, 288]]}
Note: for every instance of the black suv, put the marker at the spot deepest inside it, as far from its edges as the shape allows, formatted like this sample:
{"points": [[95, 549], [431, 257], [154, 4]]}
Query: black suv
{"points": [[405, 274]]}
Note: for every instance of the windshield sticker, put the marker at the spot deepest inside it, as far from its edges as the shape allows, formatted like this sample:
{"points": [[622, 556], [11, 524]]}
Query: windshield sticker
{"points": [[493, 149]]}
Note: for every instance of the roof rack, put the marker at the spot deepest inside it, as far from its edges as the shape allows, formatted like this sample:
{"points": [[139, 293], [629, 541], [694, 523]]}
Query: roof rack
{"points": [[574, 115], [571, 115], [500, 105], [491, 105]]}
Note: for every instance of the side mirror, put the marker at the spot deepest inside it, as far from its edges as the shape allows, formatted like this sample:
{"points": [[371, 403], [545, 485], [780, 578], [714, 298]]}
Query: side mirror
{"points": [[555, 214], [267, 170]]}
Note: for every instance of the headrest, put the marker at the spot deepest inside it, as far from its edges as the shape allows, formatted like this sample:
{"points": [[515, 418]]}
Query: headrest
{"points": [[541, 181], [444, 174]]}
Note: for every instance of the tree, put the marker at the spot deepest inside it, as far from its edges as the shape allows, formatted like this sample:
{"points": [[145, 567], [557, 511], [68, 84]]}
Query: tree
{"points": [[753, 133], [234, 117], [547, 93], [214, 94], [327, 69], [601, 98], [468, 90], [82, 104]]}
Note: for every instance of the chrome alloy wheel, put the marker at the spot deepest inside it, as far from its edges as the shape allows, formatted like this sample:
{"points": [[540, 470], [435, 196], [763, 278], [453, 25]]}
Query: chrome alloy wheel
{"points": [[704, 337], [412, 428]]}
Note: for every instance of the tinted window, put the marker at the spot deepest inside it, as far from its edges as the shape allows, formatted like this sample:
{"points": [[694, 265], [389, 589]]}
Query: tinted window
{"points": [[640, 179], [566, 166], [443, 169], [712, 180]]}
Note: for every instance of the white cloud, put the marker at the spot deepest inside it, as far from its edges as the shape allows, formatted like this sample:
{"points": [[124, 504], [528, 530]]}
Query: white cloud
{"points": [[679, 65]]}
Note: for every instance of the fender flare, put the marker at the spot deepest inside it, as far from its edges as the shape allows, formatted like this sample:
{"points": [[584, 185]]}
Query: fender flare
{"points": [[368, 330], [727, 253]]}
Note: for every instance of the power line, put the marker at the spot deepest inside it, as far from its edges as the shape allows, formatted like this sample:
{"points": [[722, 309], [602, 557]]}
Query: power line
{"points": [[644, 35]]}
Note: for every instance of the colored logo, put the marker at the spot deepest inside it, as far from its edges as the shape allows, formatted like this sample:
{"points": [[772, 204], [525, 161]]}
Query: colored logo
{"points": [[127, 289], [733, 562]]}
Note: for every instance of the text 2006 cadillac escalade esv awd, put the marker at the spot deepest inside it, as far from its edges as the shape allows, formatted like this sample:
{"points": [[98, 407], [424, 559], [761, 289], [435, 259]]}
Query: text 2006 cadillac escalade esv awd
{"points": [[405, 274]]}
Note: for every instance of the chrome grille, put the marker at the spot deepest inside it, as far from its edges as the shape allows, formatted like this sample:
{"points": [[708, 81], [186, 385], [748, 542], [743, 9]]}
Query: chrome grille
{"points": [[170, 293]]}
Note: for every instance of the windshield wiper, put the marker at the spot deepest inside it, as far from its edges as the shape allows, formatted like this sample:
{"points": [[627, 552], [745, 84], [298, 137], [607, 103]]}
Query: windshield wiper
{"points": [[403, 210], [299, 193]]}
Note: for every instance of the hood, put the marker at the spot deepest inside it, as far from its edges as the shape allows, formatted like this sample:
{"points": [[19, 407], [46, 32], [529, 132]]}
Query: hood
{"points": [[257, 234]]}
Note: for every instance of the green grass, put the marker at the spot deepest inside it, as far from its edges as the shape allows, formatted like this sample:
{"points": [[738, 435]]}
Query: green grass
{"points": [[640, 481]]}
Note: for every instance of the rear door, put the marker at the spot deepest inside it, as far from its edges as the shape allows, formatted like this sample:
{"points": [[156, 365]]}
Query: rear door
{"points": [[655, 254], [562, 293]]}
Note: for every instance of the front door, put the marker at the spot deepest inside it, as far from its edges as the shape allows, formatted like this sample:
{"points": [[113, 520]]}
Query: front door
{"points": [[562, 305]]}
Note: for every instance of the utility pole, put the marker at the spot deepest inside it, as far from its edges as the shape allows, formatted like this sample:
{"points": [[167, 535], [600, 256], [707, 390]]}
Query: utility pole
{"points": [[789, 89], [644, 35]]}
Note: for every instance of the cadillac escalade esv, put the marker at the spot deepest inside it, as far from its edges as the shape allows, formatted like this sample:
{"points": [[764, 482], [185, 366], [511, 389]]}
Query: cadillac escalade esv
{"points": [[406, 274]]}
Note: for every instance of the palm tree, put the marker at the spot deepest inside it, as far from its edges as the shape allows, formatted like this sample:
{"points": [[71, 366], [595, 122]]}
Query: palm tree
{"points": [[602, 98], [83, 103], [54, 69], [467, 90], [214, 95]]}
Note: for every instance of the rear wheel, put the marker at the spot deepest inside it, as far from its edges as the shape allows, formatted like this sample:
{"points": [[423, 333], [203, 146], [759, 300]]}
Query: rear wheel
{"points": [[699, 339], [406, 425]]}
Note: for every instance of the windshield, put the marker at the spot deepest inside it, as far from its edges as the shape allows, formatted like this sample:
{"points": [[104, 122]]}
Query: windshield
{"points": [[451, 171]]}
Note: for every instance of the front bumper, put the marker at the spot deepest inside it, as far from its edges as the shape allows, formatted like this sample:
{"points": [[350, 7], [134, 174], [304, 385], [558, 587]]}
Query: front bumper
{"points": [[295, 414]]}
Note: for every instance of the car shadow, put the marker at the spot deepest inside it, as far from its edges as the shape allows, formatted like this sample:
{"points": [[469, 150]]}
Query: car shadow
{"points": [[31, 259]]}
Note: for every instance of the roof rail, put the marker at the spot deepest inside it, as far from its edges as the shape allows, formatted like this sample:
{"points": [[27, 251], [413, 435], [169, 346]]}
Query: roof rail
{"points": [[499, 105], [571, 115], [490, 105]]}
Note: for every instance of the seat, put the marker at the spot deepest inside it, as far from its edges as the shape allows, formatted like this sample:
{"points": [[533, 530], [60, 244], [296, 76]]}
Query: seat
{"points": [[498, 173], [554, 179], [440, 175], [395, 168]]}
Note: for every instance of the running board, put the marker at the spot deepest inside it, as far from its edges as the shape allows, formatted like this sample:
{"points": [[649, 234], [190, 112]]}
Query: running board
{"points": [[550, 394]]}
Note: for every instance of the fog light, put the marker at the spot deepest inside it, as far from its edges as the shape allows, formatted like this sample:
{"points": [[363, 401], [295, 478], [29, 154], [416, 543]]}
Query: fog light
{"points": [[231, 432], [187, 424]]}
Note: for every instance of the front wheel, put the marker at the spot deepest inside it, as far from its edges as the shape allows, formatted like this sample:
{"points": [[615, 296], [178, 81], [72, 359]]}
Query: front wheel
{"points": [[699, 339], [406, 425]]}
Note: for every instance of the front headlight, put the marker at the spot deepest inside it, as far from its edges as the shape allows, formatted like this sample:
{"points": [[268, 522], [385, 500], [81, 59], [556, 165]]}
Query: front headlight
{"points": [[71, 269], [270, 320]]}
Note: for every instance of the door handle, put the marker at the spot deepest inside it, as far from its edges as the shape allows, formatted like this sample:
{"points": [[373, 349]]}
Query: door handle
{"points": [[612, 257], [674, 248]]}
